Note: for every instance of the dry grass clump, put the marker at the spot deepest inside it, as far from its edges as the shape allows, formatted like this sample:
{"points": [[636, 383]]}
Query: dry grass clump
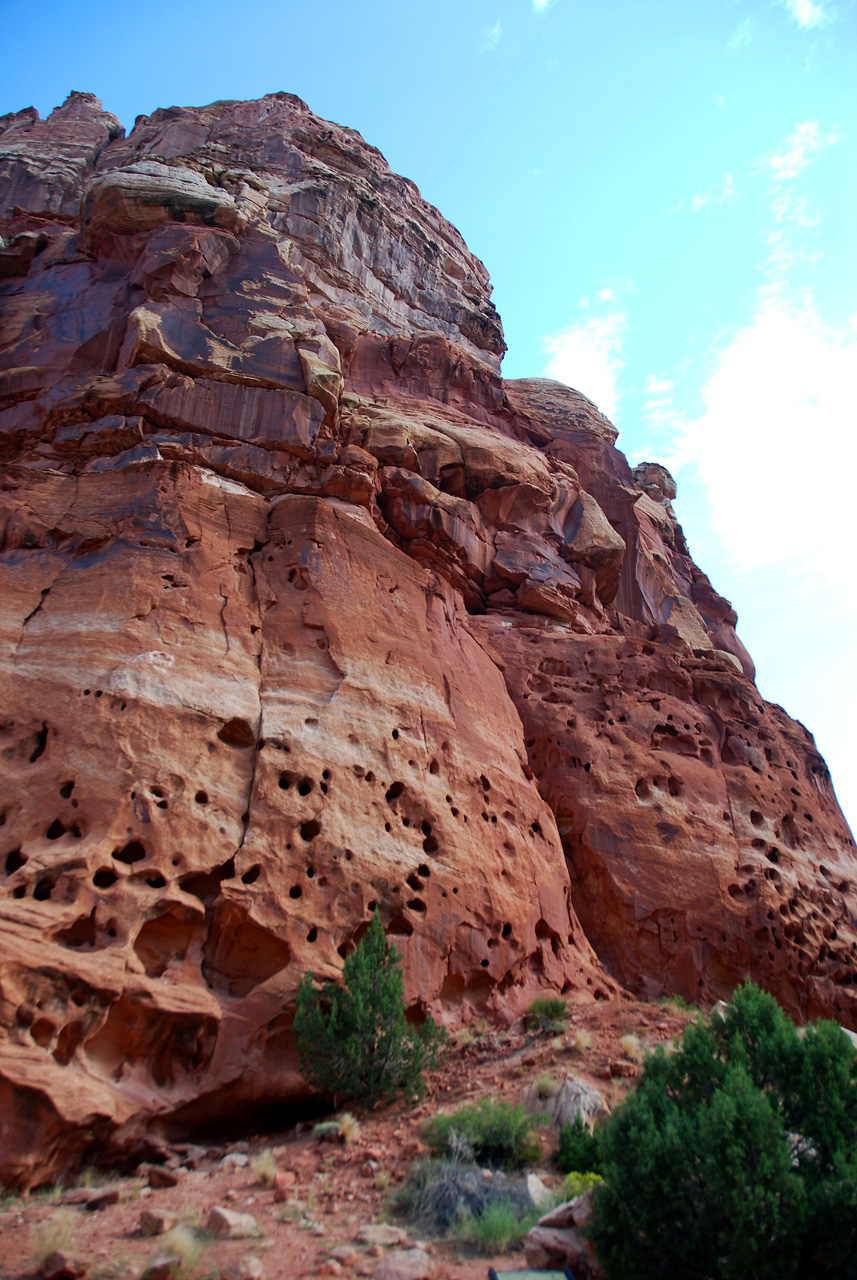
{"points": [[546, 1087], [632, 1048], [185, 1245], [581, 1041], [58, 1233], [349, 1128], [264, 1167]]}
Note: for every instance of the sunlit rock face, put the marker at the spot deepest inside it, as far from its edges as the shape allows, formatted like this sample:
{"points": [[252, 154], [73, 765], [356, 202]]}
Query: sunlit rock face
{"points": [[304, 613]]}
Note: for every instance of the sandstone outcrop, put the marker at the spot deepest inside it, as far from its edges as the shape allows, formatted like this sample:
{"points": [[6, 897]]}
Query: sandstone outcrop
{"points": [[306, 612]]}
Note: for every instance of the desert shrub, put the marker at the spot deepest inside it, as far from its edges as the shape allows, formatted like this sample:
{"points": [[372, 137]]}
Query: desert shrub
{"points": [[501, 1135], [735, 1156], [632, 1048], [546, 1013], [575, 1184], [546, 1087], [353, 1039], [579, 1150], [440, 1196], [501, 1225]]}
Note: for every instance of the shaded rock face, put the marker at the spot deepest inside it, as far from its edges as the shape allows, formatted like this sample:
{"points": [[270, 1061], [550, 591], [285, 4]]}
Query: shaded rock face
{"points": [[304, 613]]}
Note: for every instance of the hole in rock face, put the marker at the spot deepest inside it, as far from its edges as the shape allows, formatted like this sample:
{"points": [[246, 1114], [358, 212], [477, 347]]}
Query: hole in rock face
{"points": [[164, 939], [305, 786], [237, 733], [43, 890], [399, 926], [286, 781], [14, 861], [312, 935], [104, 878], [417, 904], [296, 891], [434, 767], [426, 827], [201, 797], [674, 787], [507, 930], [133, 852], [252, 874], [756, 818], [206, 885], [395, 790], [310, 872], [156, 882], [413, 882], [66, 790], [239, 954], [395, 734], [642, 788], [486, 785], [424, 870], [41, 743], [55, 830], [79, 934], [42, 1032], [430, 845], [20, 891]]}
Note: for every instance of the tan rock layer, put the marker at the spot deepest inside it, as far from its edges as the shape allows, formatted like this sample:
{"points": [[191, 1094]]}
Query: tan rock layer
{"points": [[305, 613]]}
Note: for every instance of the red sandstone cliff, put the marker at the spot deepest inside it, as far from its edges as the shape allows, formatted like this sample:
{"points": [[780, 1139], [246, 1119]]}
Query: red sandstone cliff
{"points": [[303, 610]]}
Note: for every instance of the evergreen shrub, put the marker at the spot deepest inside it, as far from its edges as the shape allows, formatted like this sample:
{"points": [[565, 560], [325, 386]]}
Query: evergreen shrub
{"points": [[354, 1040]]}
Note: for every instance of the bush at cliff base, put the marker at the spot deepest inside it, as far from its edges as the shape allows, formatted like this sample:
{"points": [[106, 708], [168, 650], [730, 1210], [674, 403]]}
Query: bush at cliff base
{"points": [[735, 1158], [354, 1039]]}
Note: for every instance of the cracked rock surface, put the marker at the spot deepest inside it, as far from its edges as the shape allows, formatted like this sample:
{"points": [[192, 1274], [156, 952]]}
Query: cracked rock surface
{"points": [[305, 612]]}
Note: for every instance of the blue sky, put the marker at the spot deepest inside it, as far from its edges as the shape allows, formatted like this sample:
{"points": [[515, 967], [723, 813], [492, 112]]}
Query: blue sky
{"points": [[664, 192]]}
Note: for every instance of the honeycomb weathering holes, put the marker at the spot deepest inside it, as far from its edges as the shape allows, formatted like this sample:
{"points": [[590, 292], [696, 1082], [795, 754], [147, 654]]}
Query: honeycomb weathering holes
{"points": [[237, 733]]}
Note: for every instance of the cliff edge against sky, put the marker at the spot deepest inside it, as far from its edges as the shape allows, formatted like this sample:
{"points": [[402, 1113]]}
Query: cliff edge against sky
{"points": [[305, 611]]}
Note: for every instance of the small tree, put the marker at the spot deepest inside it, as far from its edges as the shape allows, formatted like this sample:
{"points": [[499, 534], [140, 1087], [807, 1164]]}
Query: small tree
{"points": [[354, 1040], [735, 1156]]}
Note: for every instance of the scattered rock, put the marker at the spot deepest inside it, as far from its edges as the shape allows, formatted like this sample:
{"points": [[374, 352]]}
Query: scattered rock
{"points": [[156, 1222], [330, 1267], [381, 1233], [537, 1191], [406, 1264], [158, 1175], [284, 1185], [62, 1266], [76, 1195], [164, 1266], [345, 1254], [227, 1224], [249, 1267], [103, 1197], [235, 1160]]}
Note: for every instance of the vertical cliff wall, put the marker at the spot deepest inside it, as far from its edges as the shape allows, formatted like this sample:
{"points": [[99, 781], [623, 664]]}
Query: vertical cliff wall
{"points": [[305, 612]]}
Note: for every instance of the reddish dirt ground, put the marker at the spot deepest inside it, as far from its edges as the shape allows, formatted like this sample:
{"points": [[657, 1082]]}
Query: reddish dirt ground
{"points": [[337, 1183]]}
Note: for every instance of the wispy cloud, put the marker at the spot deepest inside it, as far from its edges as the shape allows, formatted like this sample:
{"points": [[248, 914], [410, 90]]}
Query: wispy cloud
{"points": [[588, 356], [801, 147], [783, 385], [808, 13], [742, 35], [491, 37], [541, 6], [725, 193]]}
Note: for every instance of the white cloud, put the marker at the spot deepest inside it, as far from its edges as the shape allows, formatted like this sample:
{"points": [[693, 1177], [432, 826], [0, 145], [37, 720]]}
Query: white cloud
{"points": [[808, 13], [605, 294], [588, 356], [802, 146], [775, 444], [491, 37], [541, 6], [724, 194], [742, 35]]}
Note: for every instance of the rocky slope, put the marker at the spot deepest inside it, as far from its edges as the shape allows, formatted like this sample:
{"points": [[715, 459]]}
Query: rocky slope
{"points": [[305, 611]]}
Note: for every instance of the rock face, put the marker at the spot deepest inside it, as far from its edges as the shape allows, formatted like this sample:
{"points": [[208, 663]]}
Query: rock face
{"points": [[304, 612]]}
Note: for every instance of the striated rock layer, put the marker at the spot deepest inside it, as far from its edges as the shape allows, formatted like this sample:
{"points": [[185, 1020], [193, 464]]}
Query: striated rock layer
{"points": [[304, 612]]}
